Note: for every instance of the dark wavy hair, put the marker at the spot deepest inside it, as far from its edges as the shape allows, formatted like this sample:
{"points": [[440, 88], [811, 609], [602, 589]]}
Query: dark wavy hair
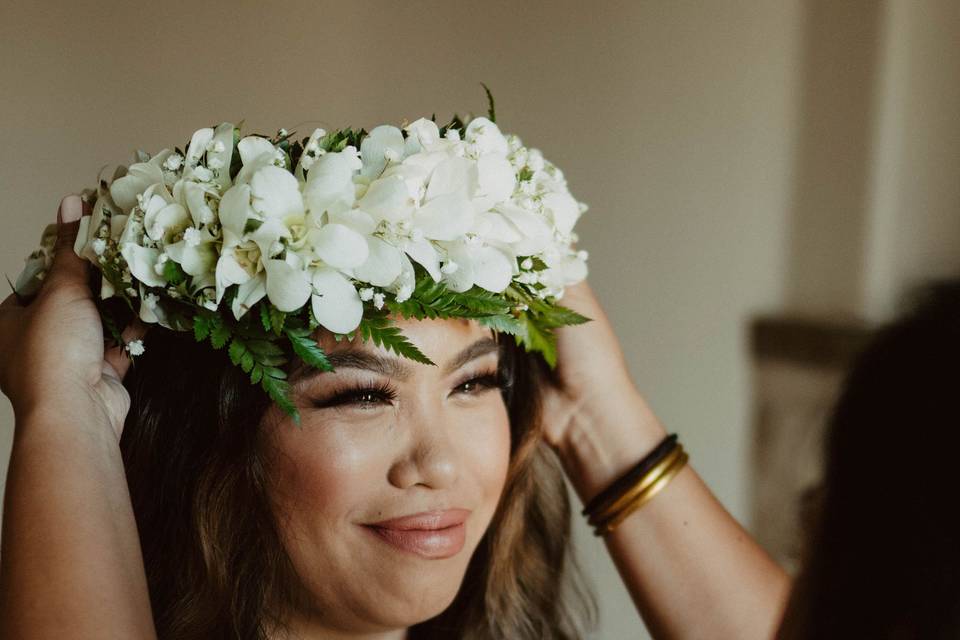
{"points": [[197, 471], [884, 555]]}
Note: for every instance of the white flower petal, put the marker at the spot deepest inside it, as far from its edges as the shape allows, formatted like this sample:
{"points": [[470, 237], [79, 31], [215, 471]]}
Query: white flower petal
{"points": [[224, 135], [336, 303], [380, 142], [382, 265], [195, 195], [535, 229], [161, 221], [446, 217], [198, 145], [287, 288], [228, 272], [338, 245], [423, 133], [360, 221], [461, 278], [453, 175], [248, 294], [267, 234], [196, 260], [118, 223], [491, 268], [424, 253], [330, 183], [492, 226], [252, 147], [563, 209], [276, 193], [496, 179], [141, 261], [139, 176], [486, 135], [235, 210], [388, 199]]}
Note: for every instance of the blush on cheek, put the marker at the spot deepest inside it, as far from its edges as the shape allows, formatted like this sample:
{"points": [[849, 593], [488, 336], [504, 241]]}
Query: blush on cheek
{"points": [[326, 473], [489, 449]]}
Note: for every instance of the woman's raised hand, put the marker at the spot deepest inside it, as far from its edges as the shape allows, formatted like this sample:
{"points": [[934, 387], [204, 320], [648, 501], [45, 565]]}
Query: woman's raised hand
{"points": [[594, 381], [594, 416], [52, 353]]}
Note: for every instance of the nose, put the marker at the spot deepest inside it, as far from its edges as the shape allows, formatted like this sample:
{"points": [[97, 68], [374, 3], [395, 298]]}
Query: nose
{"points": [[429, 456]]}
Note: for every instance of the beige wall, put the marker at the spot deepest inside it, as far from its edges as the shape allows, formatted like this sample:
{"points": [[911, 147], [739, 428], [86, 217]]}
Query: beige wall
{"points": [[693, 129]]}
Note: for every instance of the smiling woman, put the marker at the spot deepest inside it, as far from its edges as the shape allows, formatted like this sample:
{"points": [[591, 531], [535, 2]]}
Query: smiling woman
{"points": [[350, 493], [406, 499]]}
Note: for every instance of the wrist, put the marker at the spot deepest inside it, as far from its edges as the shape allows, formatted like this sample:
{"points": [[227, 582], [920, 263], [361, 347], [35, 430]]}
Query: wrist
{"points": [[57, 415], [605, 438]]}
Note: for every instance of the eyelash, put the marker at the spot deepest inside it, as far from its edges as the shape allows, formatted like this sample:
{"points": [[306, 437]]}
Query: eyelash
{"points": [[384, 392]]}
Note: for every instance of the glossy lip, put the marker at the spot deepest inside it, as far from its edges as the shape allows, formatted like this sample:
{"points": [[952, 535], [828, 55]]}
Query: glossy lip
{"points": [[431, 534]]}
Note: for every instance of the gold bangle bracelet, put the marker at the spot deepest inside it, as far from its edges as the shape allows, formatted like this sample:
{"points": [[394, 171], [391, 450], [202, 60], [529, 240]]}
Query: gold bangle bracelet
{"points": [[644, 497], [641, 486]]}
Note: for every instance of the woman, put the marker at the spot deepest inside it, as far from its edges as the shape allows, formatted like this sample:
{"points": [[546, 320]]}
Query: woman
{"points": [[268, 533]]}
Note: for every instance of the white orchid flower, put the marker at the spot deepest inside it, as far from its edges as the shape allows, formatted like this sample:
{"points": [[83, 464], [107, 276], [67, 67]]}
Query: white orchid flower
{"points": [[338, 245], [335, 301], [423, 134], [288, 284], [329, 187], [484, 266], [275, 193], [484, 137], [139, 176], [195, 253], [249, 293], [383, 145], [388, 198], [142, 262], [562, 209]]}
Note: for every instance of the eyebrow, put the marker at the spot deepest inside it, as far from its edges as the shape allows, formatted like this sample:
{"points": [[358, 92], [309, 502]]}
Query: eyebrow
{"points": [[394, 367]]}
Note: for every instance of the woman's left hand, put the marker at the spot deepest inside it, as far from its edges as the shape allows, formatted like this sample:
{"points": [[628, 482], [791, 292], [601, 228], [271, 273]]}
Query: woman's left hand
{"points": [[595, 407]]}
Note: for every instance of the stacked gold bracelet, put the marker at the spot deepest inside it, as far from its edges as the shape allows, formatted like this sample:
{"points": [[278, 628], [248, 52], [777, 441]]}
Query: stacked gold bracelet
{"points": [[636, 487]]}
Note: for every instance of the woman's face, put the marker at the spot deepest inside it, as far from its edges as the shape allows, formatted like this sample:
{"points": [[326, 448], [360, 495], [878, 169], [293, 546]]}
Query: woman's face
{"points": [[383, 438]]}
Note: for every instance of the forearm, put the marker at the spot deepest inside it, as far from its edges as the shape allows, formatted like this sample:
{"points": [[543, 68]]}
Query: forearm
{"points": [[70, 564], [690, 568]]}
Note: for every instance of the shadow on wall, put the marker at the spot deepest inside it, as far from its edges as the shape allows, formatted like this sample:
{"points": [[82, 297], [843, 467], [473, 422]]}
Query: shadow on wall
{"points": [[800, 357]]}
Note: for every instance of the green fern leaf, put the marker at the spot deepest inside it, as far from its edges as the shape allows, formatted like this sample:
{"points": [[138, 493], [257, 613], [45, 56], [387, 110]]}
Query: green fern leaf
{"points": [[504, 324], [201, 327], [278, 390], [308, 349], [380, 330]]}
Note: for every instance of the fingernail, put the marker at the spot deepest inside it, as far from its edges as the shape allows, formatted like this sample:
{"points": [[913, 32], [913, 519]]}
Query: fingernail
{"points": [[71, 208]]}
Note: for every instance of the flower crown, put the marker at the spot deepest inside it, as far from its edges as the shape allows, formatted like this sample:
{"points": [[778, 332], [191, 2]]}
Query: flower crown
{"points": [[253, 242]]}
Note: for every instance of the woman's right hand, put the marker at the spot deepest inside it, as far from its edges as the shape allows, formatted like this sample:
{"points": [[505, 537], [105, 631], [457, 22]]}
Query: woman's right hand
{"points": [[52, 353]]}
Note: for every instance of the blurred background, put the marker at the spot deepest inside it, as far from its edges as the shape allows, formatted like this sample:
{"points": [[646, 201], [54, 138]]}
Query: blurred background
{"points": [[766, 180]]}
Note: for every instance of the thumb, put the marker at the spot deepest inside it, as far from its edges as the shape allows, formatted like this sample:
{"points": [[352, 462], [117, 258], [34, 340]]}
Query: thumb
{"points": [[66, 263]]}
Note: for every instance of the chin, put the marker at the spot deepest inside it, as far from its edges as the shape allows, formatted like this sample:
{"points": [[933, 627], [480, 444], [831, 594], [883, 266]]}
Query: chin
{"points": [[419, 597]]}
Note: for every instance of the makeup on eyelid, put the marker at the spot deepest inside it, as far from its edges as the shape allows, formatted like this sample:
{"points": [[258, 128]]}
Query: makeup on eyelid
{"points": [[385, 392]]}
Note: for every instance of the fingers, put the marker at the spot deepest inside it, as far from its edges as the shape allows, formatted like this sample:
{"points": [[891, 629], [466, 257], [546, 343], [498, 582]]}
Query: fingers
{"points": [[67, 266], [116, 357]]}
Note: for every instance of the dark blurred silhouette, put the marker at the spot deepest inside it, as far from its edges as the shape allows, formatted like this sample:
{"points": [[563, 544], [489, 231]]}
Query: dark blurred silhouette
{"points": [[883, 557]]}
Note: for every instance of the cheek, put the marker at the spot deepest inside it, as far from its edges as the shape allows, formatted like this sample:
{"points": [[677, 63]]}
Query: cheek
{"points": [[323, 474], [486, 445]]}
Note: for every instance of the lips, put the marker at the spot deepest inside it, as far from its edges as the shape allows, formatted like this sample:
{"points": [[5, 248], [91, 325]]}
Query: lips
{"points": [[432, 534]]}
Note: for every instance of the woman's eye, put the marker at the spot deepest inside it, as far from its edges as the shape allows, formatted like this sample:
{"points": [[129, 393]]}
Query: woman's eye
{"points": [[363, 398], [476, 385]]}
